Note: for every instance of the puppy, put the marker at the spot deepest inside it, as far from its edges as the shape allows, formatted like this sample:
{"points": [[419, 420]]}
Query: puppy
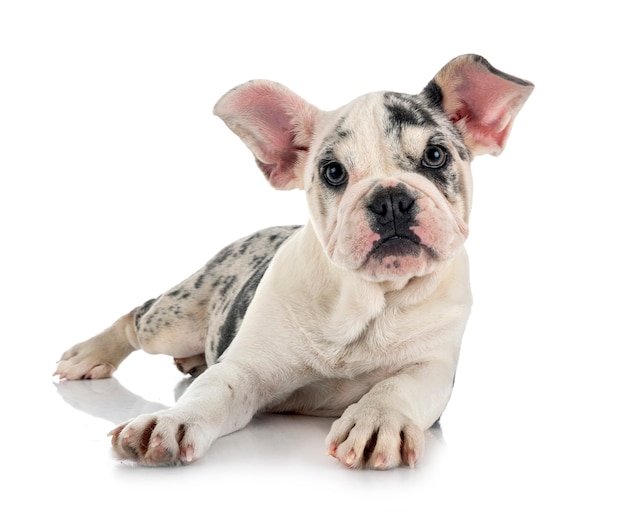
{"points": [[358, 314]]}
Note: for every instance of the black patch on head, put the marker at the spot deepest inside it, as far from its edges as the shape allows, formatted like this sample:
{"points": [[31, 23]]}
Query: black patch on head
{"points": [[433, 98], [444, 181], [443, 176], [402, 114], [406, 110], [433, 94]]}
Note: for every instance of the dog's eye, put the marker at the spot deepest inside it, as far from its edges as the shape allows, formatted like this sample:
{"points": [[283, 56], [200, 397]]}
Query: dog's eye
{"points": [[334, 174], [434, 157]]}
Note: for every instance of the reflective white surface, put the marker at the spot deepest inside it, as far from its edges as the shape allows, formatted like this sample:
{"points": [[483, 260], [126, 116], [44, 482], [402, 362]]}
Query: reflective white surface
{"points": [[117, 182]]}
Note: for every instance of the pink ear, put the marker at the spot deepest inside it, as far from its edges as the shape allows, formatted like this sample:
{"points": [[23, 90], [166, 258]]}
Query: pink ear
{"points": [[481, 101], [276, 125]]}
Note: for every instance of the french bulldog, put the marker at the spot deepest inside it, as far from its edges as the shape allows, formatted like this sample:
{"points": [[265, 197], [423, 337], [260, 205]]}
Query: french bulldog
{"points": [[360, 313]]}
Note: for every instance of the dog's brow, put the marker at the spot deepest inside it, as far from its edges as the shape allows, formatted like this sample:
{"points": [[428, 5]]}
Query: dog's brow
{"points": [[450, 139], [327, 148], [326, 155], [340, 131]]}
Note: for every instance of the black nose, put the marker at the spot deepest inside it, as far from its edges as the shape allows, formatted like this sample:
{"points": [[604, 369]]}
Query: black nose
{"points": [[393, 208]]}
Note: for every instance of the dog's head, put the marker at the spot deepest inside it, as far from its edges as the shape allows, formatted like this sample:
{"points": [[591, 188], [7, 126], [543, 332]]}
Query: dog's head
{"points": [[387, 177]]}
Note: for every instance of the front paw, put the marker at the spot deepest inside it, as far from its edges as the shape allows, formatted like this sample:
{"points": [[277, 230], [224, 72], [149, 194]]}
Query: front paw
{"points": [[163, 438], [378, 438]]}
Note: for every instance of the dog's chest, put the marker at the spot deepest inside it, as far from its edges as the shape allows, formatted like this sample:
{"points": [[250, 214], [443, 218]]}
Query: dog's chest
{"points": [[347, 370], [348, 346]]}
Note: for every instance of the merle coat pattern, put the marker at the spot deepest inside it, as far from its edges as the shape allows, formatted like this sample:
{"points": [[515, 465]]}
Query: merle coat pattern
{"points": [[358, 314]]}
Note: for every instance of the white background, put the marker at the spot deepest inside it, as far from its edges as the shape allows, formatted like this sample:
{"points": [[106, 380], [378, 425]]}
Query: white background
{"points": [[117, 182]]}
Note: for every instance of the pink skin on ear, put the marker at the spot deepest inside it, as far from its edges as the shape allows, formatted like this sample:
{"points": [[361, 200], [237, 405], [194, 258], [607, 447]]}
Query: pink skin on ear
{"points": [[481, 101], [276, 125]]}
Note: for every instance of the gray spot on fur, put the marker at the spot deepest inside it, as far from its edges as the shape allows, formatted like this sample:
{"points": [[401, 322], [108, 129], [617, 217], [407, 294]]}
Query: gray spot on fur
{"points": [[211, 303], [142, 310]]}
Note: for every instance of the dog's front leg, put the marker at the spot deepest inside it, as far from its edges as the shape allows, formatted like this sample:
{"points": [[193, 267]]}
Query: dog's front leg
{"points": [[385, 428], [221, 400]]}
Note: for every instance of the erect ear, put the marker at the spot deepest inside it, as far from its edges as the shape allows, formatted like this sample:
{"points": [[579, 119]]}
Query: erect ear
{"points": [[480, 100], [276, 125]]}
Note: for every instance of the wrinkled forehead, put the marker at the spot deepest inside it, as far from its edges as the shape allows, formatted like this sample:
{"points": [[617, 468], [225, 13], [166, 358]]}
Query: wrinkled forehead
{"points": [[389, 117]]}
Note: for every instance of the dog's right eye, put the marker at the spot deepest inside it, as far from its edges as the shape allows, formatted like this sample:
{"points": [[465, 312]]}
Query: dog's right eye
{"points": [[334, 174]]}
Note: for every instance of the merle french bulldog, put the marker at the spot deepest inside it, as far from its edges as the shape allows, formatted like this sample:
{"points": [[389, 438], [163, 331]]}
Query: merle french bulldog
{"points": [[358, 314]]}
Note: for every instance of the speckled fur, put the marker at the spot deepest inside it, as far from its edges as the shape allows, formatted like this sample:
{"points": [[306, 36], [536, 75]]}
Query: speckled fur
{"points": [[208, 307], [360, 313]]}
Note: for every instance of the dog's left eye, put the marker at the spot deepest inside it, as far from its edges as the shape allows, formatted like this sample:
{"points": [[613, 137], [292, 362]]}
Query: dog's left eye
{"points": [[434, 157], [334, 173]]}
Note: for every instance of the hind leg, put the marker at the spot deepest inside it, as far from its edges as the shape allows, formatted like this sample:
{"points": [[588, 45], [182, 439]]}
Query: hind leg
{"points": [[177, 322], [169, 325], [161, 326], [99, 356]]}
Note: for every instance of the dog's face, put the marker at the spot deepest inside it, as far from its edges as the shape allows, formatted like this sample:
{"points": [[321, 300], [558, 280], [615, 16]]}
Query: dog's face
{"points": [[388, 186], [387, 177]]}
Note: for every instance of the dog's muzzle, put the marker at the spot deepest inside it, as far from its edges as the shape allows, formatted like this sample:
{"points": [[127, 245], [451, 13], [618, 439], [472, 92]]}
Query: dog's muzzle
{"points": [[392, 212]]}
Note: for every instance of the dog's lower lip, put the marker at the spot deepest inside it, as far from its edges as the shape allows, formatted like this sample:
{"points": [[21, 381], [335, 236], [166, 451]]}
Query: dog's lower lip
{"points": [[397, 245]]}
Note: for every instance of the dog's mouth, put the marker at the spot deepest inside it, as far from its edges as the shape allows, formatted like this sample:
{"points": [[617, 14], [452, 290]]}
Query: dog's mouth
{"points": [[398, 246]]}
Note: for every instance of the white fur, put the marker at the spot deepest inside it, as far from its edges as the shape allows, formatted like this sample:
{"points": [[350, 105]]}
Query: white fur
{"points": [[332, 330]]}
